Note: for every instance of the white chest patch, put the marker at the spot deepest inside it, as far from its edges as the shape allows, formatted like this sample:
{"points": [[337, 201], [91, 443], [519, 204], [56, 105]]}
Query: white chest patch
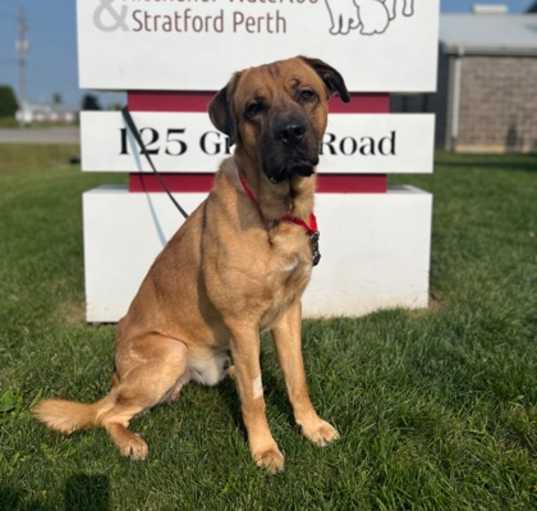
{"points": [[290, 265], [209, 371]]}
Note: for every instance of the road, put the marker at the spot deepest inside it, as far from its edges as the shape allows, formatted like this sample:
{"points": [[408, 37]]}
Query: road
{"points": [[59, 135]]}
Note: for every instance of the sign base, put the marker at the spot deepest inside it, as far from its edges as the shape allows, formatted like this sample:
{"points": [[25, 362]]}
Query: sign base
{"points": [[376, 249]]}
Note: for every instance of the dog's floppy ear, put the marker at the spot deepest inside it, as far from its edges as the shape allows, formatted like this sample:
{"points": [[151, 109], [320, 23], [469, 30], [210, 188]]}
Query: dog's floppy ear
{"points": [[221, 110], [331, 78]]}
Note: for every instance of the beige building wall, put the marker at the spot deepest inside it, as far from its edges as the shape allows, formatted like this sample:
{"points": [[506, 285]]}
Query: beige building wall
{"points": [[498, 104]]}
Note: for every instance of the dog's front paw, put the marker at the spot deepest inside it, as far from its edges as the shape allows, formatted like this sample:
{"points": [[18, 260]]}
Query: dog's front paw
{"points": [[319, 432], [270, 459]]}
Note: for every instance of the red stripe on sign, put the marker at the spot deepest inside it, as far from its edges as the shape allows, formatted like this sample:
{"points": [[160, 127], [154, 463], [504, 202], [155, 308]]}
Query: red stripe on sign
{"points": [[169, 101], [361, 104], [352, 183], [184, 182], [190, 183], [192, 101]]}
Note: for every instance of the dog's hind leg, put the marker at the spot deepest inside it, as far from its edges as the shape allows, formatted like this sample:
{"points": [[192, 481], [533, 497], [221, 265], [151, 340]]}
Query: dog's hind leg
{"points": [[149, 370]]}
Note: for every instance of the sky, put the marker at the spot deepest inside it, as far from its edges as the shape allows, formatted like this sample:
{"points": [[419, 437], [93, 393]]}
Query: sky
{"points": [[52, 61]]}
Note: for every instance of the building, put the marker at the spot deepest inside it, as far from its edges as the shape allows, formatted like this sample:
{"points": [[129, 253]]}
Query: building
{"points": [[487, 92], [492, 73], [33, 113]]}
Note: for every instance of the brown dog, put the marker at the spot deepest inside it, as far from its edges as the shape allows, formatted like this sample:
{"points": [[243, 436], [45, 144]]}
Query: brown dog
{"points": [[237, 266]]}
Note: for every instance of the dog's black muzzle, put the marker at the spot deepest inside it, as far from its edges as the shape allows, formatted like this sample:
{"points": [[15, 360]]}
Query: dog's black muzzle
{"points": [[290, 149]]}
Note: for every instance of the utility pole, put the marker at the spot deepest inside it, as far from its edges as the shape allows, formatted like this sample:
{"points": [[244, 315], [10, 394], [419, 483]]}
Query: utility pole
{"points": [[23, 46]]}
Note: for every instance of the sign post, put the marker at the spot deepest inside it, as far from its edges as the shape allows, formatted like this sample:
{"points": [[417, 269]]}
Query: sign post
{"points": [[171, 56]]}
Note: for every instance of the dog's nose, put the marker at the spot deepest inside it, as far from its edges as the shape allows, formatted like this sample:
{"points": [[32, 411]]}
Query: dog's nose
{"points": [[292, 133]]}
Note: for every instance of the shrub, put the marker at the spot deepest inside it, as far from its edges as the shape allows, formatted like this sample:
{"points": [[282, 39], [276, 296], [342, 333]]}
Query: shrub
{"points": [[8, 101]]}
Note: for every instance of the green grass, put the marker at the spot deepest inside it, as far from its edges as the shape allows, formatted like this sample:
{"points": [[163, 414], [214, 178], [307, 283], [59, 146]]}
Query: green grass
{"points": [[11, 122], [437, 408]]}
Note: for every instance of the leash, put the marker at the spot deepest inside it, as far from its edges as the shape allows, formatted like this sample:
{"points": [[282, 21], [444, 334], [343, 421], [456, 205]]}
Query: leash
{"points": [[129, 121], [311, 227]]}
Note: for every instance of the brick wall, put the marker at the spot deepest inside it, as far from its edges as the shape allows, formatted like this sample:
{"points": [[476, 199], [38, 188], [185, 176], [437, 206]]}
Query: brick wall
{"points": [[498, 104]]}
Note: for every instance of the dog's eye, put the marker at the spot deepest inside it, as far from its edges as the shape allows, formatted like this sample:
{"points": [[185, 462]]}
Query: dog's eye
{"points": [[254, 108], [306, 96]]}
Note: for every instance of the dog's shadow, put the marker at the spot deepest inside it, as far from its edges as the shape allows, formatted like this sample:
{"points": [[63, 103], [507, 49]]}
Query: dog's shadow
{"points": [[87, 492], [82, 492]]}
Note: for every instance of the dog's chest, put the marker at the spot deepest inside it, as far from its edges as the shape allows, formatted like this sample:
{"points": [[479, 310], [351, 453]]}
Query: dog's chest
{"points": [[291, 255], [285, 283]]}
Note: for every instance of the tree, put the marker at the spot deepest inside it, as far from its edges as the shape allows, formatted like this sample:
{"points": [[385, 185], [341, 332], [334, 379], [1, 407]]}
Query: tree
{"points": [[8, 101], [90, 102], [57, 99]]}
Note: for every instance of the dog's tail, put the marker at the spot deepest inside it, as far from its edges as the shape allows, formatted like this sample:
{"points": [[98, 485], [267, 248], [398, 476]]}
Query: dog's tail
{"points": [[69, 416]]}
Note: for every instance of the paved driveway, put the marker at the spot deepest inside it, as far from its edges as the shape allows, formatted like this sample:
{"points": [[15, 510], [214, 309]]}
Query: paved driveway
{"points": [[60, 135]]}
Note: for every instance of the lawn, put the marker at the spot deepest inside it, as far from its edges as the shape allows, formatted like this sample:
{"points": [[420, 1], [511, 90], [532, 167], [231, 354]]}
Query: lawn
{"points": [[437, 408]]}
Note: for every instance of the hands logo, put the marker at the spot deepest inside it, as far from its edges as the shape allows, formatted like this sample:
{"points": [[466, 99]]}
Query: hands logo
{"points": [[370, 16]]}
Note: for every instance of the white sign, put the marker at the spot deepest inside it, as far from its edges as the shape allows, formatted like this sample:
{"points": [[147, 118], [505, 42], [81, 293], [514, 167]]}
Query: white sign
{"points": [[188, 142], [377, 45]]}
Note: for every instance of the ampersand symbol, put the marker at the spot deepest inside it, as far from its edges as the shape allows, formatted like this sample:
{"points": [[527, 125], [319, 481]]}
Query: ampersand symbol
{"points": [[118, 16]]}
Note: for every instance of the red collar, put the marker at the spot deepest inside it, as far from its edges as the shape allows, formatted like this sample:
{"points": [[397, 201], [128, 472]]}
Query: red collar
{"points": [[310, 227]]}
